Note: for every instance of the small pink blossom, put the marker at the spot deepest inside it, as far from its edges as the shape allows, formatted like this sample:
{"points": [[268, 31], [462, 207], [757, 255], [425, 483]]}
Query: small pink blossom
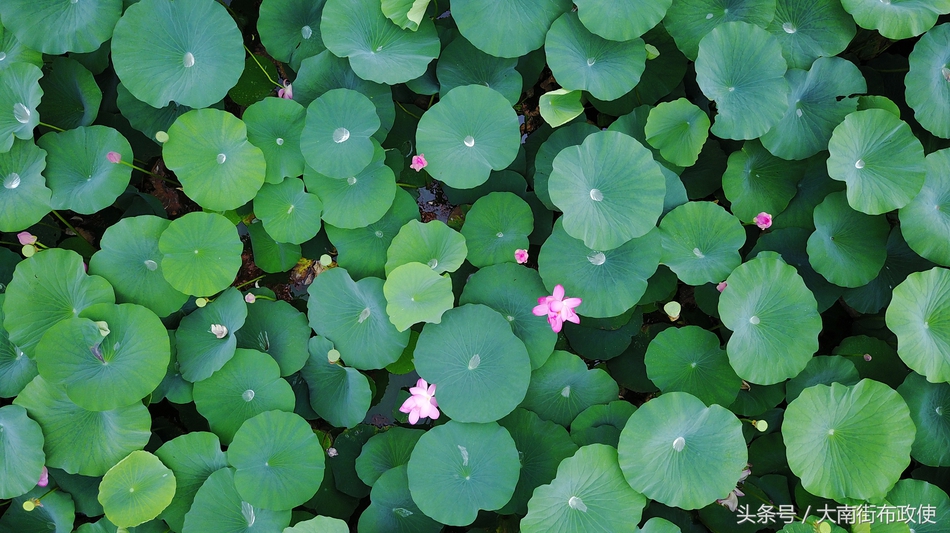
{"points": [[114, 157], [731, 501], [418, 162], [521, 256], [44, 478], [287, 92], [867, 357], [25, 237], [250, 298], [763, 220], [422, 403], [722, 286], [557, 308]]}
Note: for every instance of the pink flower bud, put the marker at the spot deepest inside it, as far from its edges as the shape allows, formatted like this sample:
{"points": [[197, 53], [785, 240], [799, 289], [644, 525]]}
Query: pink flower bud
{"points": [[418, 162], [763, 220], [722, 286], [114, 157], [25, 237], [521, 256], [250, 298], [287, 92], [44, 478]]}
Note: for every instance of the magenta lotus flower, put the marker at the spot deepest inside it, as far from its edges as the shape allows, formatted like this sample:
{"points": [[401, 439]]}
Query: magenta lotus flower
{"points": [[44, 478], [521, 256], [114, 157], [287, 92], [25, 237], [418, 162], [558, 309], [422, 403], [763, 220], [722, 286]]}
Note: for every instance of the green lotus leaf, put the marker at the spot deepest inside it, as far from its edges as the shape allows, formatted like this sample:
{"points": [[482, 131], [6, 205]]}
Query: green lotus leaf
{"points": [[898, 19], [497, 225], [926, 84], [602, 340], [201, 253], [340, 395], [278, 460], [564, 386], [900, 262], [922, 495], [15, 52], [774, 320], [378, 50], [290, 29], [416, 293], [472, 353], [701, 242], [24, 198], [407, 14], [385, 451], [689, 21], [678, 129], [915, 315], [624, 20], [808, 30], [570, 135], [209, 152], [601, 424], [822, 371], [927, 403], [609, 188], [348, 445], [659, 525], [69, 429], [791, 244], [880, 159], [71, 97], [192, 457], [832, 432], [679, 452], [20, 94], [690, 360], [561, 106], [336, 135], [184, 51], [847, 247], [463, 64], [58, 512], [741, 67], [433, 243], [609, 282], [814, 186], [507, 28], [105, 371], [756, 181], [358, 200], [203, 348], [363, 250], [247, 385], [319, 524], [391, 506], [21, 451], [467, 134], [16, 369], [55, 28], [130, 260], [274, 125], [581, 60], [882, 364], [277, 329], [219, 507], [923, 222], [288, 213], [353, 317], [269, 255], [458, 468], [136, 490], [146, 118], [47, 288], [589, 492]]}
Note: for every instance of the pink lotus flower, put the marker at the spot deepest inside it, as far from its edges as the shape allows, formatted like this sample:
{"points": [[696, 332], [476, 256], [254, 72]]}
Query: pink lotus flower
{"points": [[287, 92], [763, 220], [418, 162], [25, 237], [558, 309], [521, 256], [44, 478], [114, 157], [731, 501], [422, 403], [722, 286]]}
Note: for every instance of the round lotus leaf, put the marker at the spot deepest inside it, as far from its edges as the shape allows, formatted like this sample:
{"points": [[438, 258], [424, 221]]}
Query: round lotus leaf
{"points": [[385, 451], [678, 129], [101, 372], [20, 93], [507, 28], [203, 348], [192, 457], [392, 508], [691, 20], [809, 30], [659, 525], [926, 83], [561, 106], [791, 244], [71, 96], [130, 260], [679, 452], [219, 507], [188, 51], [570, 135], [274, 125], [336, 138], [247, 385], [378, 50], [458, 468], [741, 67], [701, 242], [901, 261], [69, 429], [288, 213], [497, 225], [58, 512], [363, 251], [928, 403], [847, 247], [433, 243], [290, 29], [883, 364], [564, 386], [340, 395], [146, 118], [915, 315], [47, 288], [757, 181], [16, 52], [602, 340], [78, 172], [609, 188], [589, 492], [201, 253], [353, 317], [269, 255], [24, 198], [21, 451], [278, 460], [897, 19], [818, 101], [822, 371], [467, 134], [136, 489], [774, 320], [463, 64], [918, 494], [609, 282], [358, 200], [923, 223], [54, 27], [472, 353], [690, 360], [833, 432], [209, 152], [601, 424], [623, 20], [279, 330], [16, 369], [880, 159], [581, 60], [416, 293], [319, 524]]}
